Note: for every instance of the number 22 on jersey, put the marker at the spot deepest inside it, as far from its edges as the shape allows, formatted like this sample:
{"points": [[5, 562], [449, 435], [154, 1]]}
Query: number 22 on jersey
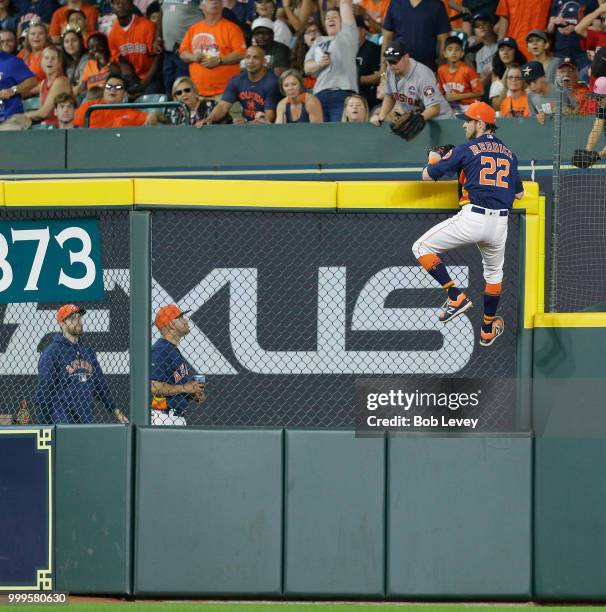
{"points": [[494, 171]]}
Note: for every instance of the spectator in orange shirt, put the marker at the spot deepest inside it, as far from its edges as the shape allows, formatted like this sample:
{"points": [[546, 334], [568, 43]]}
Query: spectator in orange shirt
{"points": [[115, 93], [213, 49], [516, 102], [60, 18], [459, 82], [567, 76], [96, 71], [36, 39], [131, 43], [518, 17]]}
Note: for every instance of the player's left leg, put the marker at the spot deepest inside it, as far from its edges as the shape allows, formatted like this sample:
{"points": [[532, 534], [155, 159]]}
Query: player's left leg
{"points": [[493, 258]]}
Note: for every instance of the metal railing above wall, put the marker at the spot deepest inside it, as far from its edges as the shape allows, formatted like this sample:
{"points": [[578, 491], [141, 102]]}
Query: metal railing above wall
{"points": [[141, 106]]}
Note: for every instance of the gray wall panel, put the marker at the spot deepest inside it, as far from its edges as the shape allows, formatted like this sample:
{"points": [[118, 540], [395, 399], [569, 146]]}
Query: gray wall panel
{"points": [[208, 512], [93, 467], [334, 514], [459, 517]]}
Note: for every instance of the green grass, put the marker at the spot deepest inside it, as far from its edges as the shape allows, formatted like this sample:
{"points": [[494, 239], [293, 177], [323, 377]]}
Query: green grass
{"points": [[185, 606]]}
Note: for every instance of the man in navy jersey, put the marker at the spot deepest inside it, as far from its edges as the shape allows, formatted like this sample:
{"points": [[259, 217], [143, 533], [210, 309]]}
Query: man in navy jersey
{"points": [[257, 90], [70, 379], [172, 385], [488, 184]]}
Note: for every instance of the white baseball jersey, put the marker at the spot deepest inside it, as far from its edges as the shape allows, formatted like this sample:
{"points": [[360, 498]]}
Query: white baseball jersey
{"points": [[416, 90]]}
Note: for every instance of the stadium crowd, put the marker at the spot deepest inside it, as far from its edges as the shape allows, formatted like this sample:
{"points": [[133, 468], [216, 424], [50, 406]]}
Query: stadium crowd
{"points": [[292, 61]]}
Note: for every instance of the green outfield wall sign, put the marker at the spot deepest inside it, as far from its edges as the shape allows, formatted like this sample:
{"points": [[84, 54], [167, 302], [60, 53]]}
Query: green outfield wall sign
{"points": [[50, 261]]}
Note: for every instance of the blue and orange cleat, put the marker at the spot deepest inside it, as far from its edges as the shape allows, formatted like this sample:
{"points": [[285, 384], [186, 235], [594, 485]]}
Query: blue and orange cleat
{"points": [[498, 327], [453, 308]]}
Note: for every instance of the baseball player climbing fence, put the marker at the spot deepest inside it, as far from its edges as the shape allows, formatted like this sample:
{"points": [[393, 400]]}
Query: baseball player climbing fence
{"points": [[578, 216], [63, 362]]}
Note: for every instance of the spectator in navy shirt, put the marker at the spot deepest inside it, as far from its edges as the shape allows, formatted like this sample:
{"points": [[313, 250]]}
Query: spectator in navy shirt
{"points": [[422, 24], [564, 15], [34, 11], [16, 80], [257, 90]]}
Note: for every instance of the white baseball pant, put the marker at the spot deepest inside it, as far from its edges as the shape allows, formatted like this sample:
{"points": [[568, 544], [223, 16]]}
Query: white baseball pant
{"points": [[166, 417], [488, 231]]}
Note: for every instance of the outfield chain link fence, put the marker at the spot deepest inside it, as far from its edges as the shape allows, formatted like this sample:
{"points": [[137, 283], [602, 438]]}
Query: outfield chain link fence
{"points": [[71, 388], [578, 220], [290, 310]]}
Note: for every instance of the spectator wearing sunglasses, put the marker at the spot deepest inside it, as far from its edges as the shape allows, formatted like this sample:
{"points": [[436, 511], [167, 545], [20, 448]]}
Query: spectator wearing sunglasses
{"points": [[115, 93], [185, 91]]}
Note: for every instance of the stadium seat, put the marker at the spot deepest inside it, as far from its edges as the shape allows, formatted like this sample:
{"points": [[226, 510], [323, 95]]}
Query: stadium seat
{"points": [[151, 98], [32, 103]]}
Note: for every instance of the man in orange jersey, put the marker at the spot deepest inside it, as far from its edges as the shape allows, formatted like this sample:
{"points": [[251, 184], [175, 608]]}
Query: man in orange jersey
{"points": [[131, 43], [60, 17], [518, 17], [115, 93], [567, 77], [459, 82], [213, 49]]}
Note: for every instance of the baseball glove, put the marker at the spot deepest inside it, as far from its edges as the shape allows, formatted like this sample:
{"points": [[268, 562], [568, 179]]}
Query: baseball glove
{"points": [[408, 125], [441, 150], [582, 158]]}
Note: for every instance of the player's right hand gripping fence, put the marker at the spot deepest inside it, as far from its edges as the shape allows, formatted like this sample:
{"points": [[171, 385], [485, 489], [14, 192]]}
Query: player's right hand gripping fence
{"points": [[289, 310], [578, 216], [43, 378]]}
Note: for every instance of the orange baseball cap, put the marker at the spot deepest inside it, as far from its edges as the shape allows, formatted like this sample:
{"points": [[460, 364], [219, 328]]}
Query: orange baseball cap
{"points": [[68, 309], [168, 313], [479, 111]]}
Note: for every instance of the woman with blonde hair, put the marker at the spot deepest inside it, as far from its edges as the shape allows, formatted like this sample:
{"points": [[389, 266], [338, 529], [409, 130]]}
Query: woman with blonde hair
{"points": [[355, 109], [516, 102], [55, 82], [185, 91], [36, 39], [297, 106]]}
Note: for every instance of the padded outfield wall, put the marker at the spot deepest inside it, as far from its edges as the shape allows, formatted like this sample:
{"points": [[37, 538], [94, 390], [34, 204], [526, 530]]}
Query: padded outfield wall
{"points": [[322, 513]]}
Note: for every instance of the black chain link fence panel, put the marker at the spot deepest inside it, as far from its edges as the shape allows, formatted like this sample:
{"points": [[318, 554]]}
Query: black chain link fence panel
{"points": [[580, 280], [290, 310], [26, 329]]}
